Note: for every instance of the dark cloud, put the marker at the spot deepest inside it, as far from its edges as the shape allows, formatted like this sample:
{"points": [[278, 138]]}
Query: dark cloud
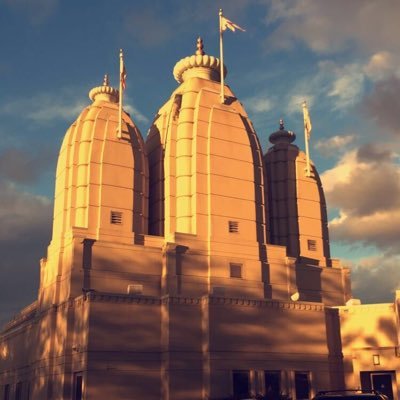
{"points": [[366, 273], [25, 166], [381, 230], [329, 26], [365, 187], [383, 105], [371, 152], [368, 190], [25, 224]]}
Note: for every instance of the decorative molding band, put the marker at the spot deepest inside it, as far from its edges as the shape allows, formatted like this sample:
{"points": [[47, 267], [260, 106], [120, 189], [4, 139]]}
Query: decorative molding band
{"points": [[211, 300]]}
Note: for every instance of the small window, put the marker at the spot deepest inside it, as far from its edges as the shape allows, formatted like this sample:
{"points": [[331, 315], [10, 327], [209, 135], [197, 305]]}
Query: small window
{"points": [[6, 392], [233, 226], [312, 245], [272, 384], [235, 270], [116, 217], [18, 391], [302, 385], [241, 384], [78, 385], [135, 289]]}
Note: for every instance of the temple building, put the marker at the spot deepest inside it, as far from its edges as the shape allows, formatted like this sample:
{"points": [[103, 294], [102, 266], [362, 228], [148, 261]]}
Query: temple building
{"points": [[192, 265]]}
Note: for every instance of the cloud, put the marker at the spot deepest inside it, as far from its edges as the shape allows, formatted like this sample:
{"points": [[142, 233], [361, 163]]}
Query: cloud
{"points": [[382, 105], [347, 87], [148, 26], [365, 187], [258, 104], [24, 166], [368, 271], [36, 11], [331, 146], [25, 224], [296, 99], [135, 113], [46, 107], [382, 65], [330, 26]]}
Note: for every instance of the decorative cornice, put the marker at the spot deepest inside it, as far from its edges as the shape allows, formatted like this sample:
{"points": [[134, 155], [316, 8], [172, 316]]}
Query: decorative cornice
{"points": [[103, 92], [92, 296]]}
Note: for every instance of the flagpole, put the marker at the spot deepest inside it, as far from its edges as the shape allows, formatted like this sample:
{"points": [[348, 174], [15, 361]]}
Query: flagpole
{"points": [[308, 172], [306, 138], [221, 52], [121, 70]]}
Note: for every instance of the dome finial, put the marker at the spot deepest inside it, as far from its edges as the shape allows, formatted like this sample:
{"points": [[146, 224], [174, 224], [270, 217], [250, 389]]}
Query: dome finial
{"points": [[282, 136], [105, 80], [104, 92], [199, 65], [200, 47]]}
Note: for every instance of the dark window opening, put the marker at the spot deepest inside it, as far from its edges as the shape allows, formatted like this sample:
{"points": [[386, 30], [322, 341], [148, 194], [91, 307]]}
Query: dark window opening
{"points": [[6, 395], [241, 384], [18, 391], [235, 270], [272, 384], [302, 385], [78, 386]]}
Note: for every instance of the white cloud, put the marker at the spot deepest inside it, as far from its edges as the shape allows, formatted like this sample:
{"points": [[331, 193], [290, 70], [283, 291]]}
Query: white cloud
{"points": [[135, 113], [258, 104], [331, 146], [46, 107], [347, 86], [297, 97]]}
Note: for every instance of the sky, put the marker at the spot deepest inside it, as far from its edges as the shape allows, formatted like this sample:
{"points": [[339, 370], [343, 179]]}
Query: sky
{"points": [[341, 56]]}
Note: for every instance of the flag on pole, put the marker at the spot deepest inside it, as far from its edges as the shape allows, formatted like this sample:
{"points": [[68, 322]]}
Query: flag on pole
{"points": [[122, 86], [307, 135], [227, 24], [123, 75], [224, 24], [307, 120]]}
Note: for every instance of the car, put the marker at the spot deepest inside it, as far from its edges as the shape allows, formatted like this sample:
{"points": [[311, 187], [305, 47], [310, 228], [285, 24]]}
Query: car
{"points": [[355, 394]]}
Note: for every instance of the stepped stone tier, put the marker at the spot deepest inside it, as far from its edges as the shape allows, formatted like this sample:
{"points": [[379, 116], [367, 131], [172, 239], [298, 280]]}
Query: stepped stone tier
{"points": [[192, 265]]}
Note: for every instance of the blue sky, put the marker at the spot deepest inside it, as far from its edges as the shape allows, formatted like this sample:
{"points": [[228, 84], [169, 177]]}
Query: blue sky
{"points": [[331, 53]]}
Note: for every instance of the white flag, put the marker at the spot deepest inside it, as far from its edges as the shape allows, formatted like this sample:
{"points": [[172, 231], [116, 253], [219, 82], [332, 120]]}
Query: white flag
{"points": [[227, 24], [307, 120]]}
